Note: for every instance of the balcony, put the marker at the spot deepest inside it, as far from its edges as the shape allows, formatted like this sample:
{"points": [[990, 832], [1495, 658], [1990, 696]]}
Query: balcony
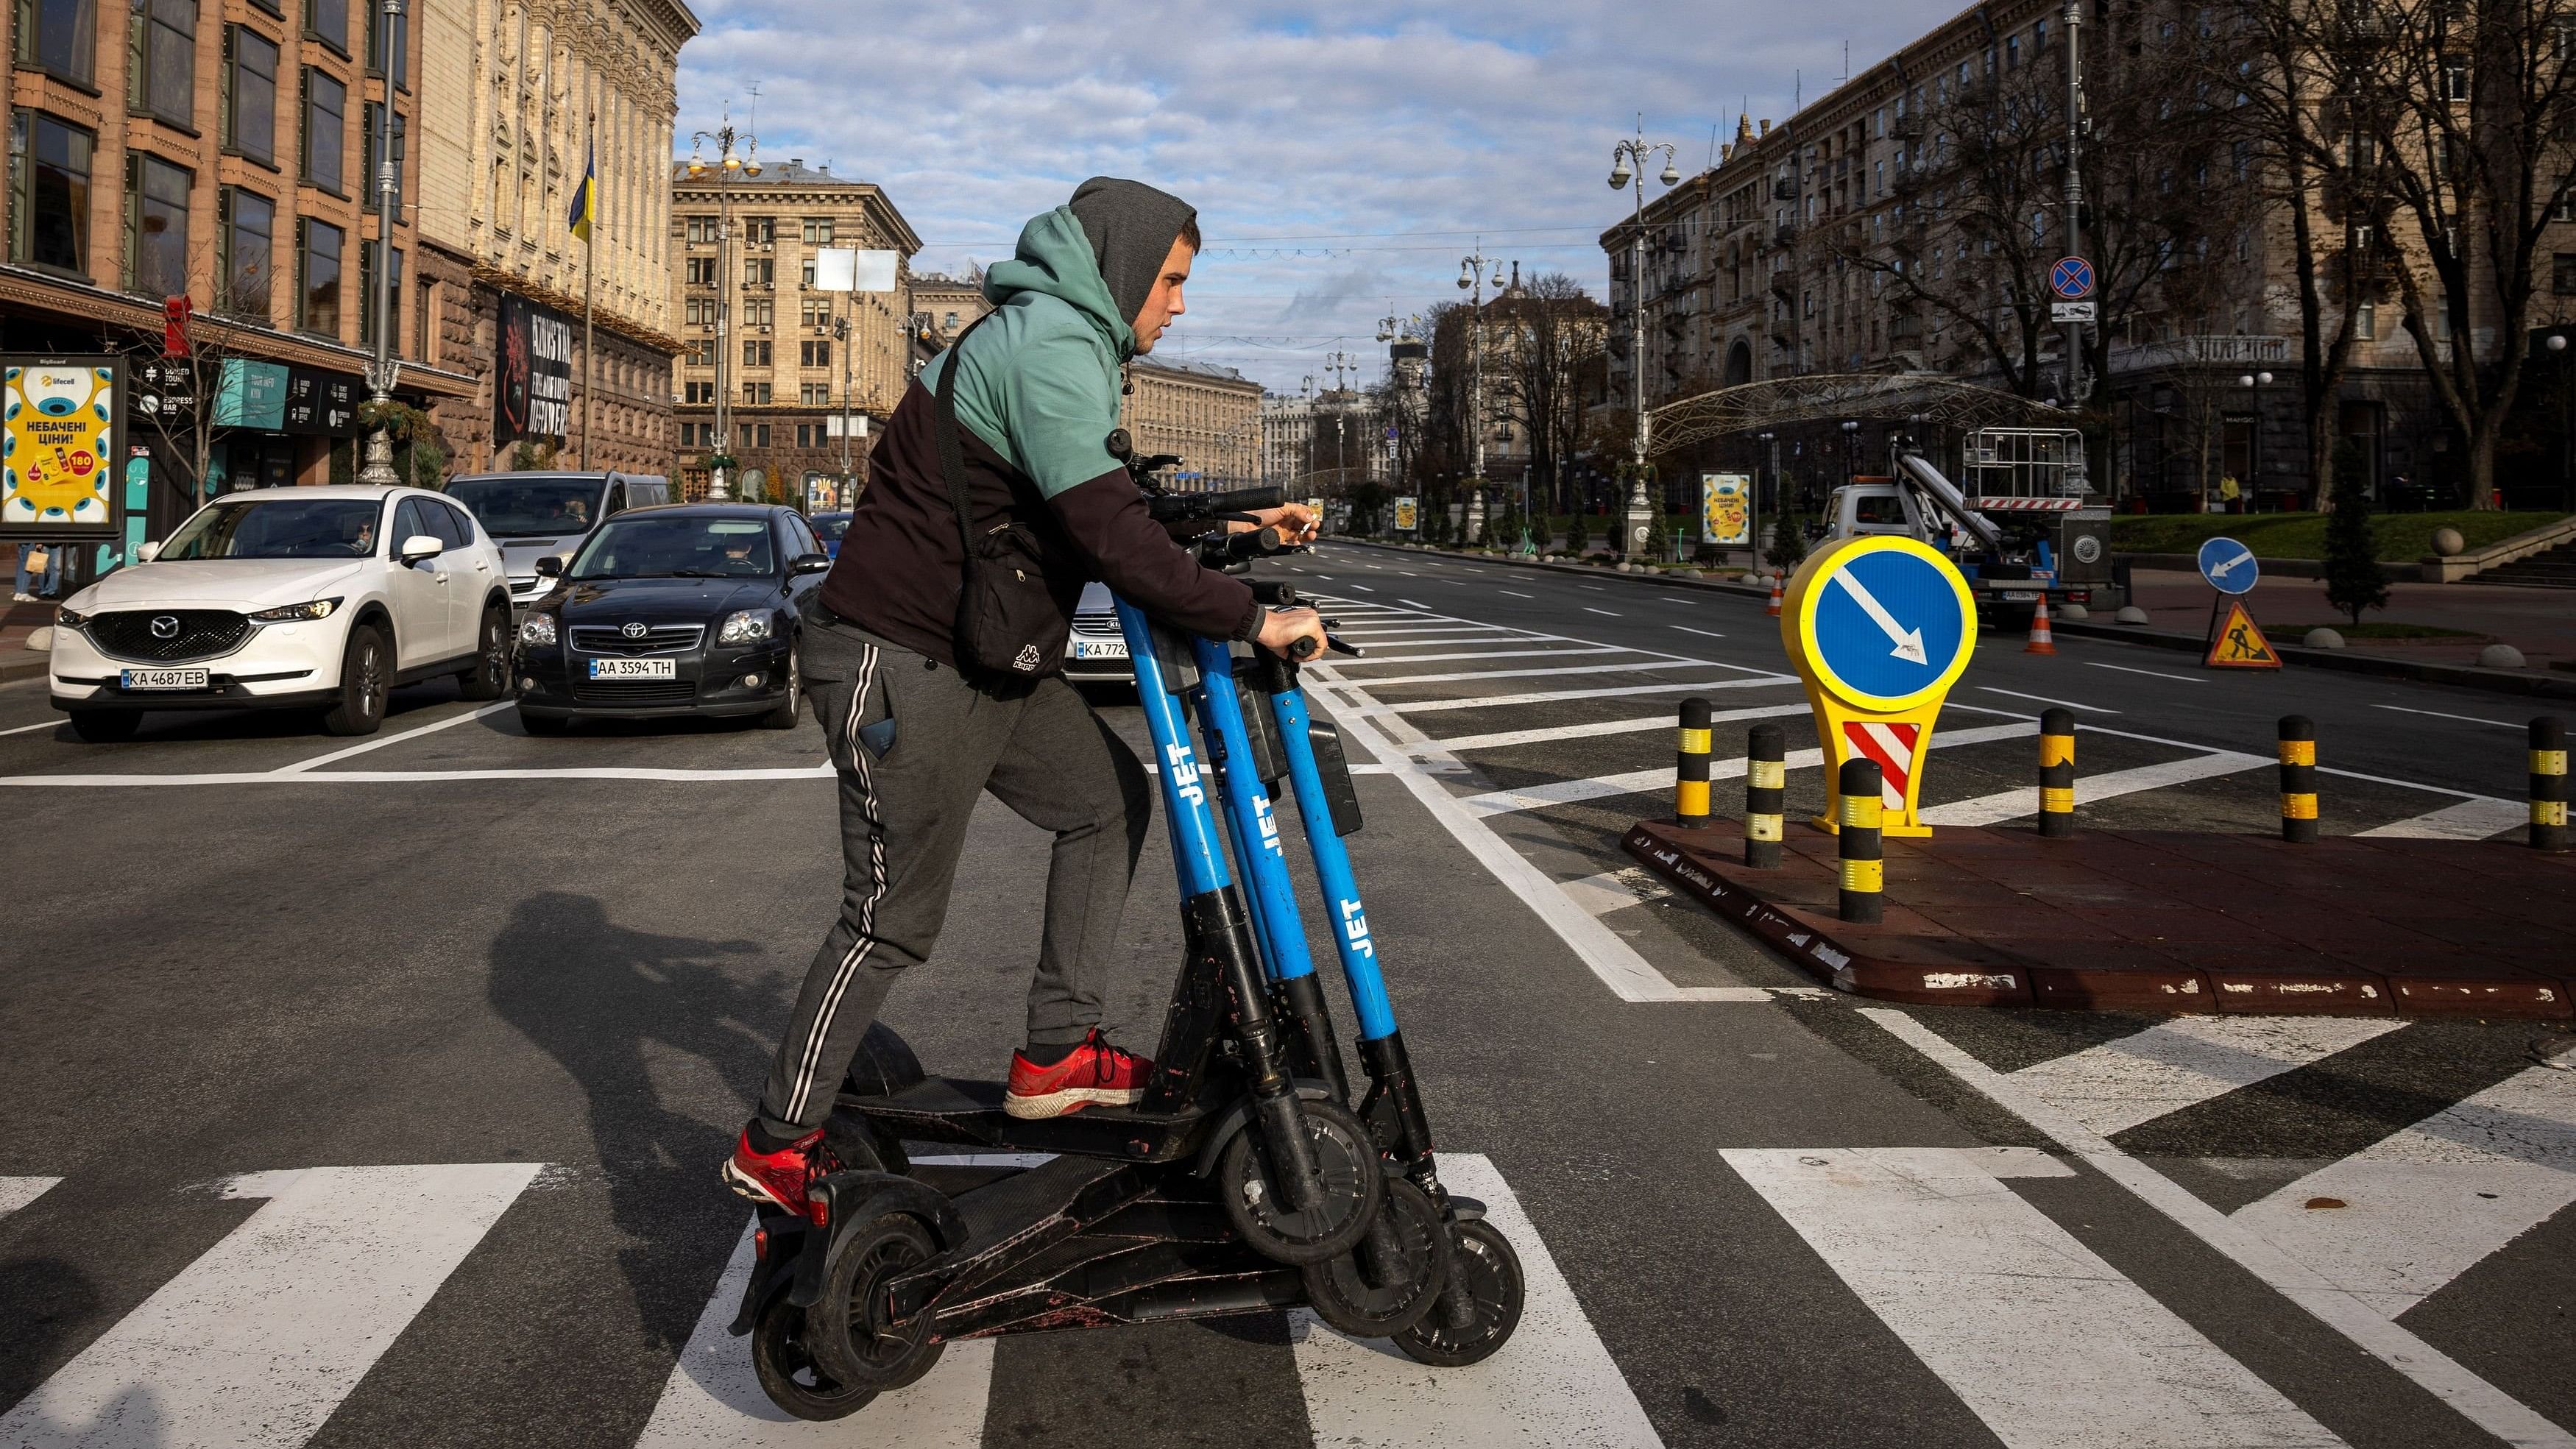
{"points": [[2203, 350], [1784, 188], [1908, 127], [1785, 234]]}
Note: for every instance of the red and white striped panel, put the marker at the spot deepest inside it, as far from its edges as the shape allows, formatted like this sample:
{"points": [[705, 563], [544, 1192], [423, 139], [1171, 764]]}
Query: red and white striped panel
{"points": [[1893, 746], [2025, 505]]}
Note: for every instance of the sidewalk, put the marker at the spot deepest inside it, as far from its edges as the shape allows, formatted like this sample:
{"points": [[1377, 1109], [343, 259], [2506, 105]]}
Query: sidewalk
{"points": [[2158, 920], [2539, 622]]}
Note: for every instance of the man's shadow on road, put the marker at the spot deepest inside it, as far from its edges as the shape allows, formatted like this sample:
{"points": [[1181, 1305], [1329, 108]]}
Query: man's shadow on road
{"points": [[600, 998]]}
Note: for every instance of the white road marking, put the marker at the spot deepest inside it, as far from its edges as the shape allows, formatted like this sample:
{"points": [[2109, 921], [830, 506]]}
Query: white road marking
{"points": [[1607, 727], [714, 1398], [1703, 633], [1767, 676], [377, 744], [17, 1192], [1416, 605], [1591, 610], [2482, 1403], [1969, 1274], [1516, 595], [2044, 699], [2467, 820], [1551, 696], [1596, 588], [257, 1341], [1554, 1384], [2093, 789], [1494, 654], [50, 724], [1636, 782], [1385, 626], [1363, 588], [2179, 1063], [2437, 714], [1448, 639], [2150, 673], [412, 777], [2422, 1206], [1614, 890]]}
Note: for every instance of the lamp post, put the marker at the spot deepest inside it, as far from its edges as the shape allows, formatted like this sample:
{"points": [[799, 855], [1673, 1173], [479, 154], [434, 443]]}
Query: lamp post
{"points": [[1473, 270], [727, 163], [841, 339], [2253, 383], [2566, 419], [382, 367], [1623, 174]]}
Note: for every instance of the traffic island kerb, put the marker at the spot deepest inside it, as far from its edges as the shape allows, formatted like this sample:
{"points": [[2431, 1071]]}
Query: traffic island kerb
{"points": [[2164, 921]]}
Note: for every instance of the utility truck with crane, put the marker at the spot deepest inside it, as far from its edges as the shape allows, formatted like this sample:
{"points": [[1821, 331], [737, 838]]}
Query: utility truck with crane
{"points": [[2026, 525]]}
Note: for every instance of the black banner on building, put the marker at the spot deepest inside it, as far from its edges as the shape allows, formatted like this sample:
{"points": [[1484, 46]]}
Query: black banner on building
{"points": [[532, 392]]}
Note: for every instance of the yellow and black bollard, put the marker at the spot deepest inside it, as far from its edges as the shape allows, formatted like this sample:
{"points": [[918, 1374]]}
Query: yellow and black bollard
{"points": [[2057, 772], [1864, 863], [1766, 789], [1690, 767], [2548, 783], [2298, 779]]}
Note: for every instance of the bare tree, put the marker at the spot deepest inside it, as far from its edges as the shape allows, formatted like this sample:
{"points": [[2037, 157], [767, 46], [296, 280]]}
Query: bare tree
{"points": [[1544, 345], [181, 412]]}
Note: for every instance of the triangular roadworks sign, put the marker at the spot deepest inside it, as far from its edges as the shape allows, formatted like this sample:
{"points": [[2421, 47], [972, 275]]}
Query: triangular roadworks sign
{"points": [[2238, 643]]}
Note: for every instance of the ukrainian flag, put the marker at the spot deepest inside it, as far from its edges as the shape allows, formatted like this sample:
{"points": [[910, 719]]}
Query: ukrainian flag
{"points": [[585, 199]]}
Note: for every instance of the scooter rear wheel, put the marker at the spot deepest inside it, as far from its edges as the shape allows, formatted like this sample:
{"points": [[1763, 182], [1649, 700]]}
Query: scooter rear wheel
{"points": [[1484, 1268], [1354, 1188], [788, 1373], [1386, 1284], [850, 1328]]}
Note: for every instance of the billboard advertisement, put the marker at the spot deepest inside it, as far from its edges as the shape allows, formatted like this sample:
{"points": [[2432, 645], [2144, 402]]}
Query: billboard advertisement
{"points": [[1726, 510], [532, 387], [1408, 514], [58, 436]]}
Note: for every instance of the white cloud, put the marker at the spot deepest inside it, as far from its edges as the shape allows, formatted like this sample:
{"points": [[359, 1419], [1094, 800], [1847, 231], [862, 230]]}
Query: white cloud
{"points": [[1372, 142]]}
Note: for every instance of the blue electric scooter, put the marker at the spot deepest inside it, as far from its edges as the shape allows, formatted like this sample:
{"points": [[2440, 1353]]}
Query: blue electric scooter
{"points": [[1243, 1181]]}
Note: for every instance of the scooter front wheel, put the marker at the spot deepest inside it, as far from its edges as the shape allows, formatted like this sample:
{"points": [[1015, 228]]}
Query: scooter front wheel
{"points": [[1386, 1284], [1486, 1273], [788, 1372], [851, 1329], [1346, 1161]]}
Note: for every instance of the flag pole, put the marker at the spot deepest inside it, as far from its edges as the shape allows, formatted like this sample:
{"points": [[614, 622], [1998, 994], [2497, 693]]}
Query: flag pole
{"points": [[589, 274]]}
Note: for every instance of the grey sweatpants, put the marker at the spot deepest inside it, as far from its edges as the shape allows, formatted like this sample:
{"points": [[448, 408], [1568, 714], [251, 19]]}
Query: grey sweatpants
{"points": [[904, 808]]}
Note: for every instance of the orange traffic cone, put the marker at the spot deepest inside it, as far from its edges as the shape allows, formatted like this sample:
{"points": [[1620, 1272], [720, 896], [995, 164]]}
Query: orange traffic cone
{"points": [[1772, 609], [2040, 642]]}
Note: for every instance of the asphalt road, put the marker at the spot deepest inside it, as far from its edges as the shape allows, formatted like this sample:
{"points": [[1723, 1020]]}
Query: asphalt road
{"points": [[427, 1053]]}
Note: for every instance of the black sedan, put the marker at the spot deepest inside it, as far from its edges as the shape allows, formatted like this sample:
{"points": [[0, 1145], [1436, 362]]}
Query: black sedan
{"points": [[689, 609]]}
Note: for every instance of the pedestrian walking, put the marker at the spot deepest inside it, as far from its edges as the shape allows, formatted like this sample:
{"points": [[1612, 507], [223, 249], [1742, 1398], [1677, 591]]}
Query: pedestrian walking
{"points": [[41, 563]]}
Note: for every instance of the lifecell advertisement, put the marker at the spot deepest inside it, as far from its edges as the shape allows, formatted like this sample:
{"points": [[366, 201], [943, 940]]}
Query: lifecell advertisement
{"points": [[58, 440]]}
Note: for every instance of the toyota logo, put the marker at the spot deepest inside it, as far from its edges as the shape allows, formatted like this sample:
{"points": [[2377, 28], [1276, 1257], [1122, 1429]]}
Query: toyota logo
{"points": [[631, 631], [165, 626]]}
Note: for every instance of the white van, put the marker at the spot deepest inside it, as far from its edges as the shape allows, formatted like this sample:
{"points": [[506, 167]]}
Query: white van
{"points": [[546, 515]]}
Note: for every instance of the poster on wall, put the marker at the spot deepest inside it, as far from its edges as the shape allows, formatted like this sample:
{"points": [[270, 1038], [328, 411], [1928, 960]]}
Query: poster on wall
{"points": [[251, 395], [1726, 510], [58, 437], [1408, 514], [532, 389]]}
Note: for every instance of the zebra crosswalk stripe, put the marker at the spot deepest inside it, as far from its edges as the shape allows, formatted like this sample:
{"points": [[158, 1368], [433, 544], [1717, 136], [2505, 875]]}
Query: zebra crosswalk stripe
{"points": [[17, 1192], [2180, 1063]]}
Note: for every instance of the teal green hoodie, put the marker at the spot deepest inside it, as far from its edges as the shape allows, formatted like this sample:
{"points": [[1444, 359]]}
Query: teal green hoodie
{"points": [[1041, 383]]}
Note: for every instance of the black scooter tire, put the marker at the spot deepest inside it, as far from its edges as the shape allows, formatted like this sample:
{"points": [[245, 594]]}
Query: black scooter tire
{"points": [[846, 1329], [1482, 1265], [1354, 1188], [1356, 1292], [789, 1375]]}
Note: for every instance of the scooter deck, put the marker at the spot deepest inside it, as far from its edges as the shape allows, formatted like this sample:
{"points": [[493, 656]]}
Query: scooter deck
{"points": [[952, 1109]]}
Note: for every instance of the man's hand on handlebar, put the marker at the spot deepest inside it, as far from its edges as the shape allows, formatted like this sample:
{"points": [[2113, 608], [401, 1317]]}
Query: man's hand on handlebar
{"points": [[1295, 523], [1282, 629]]}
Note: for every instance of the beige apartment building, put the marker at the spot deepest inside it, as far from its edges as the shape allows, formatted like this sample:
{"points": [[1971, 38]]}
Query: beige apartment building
{"points": [[794, 355], [531, 95], [1209, 416], [946, 306]]}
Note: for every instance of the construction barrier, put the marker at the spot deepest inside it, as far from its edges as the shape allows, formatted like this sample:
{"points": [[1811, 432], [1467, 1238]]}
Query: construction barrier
{"points": [[2548, 783], [1766, 790], [2298, 779], [1863, 854], [1690, 766], [2041, 641], [2057, 772]]}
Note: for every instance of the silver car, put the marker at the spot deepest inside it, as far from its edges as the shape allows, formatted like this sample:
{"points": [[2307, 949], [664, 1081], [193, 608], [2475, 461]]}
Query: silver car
{"points": [[1098, 653]]}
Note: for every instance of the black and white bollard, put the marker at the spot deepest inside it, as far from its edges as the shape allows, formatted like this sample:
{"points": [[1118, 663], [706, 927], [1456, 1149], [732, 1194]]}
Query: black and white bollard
{"points": [[1766, 791], [2057, 772], [2548, 783], [1864, 854], [2298, 779]]}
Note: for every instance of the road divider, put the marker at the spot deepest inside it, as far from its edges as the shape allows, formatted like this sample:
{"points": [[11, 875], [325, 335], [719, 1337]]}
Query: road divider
{"points": [[2298, 748], [2057, 772], [1863, 854], [2548, 783], [1766, 792], [1690, 766]]}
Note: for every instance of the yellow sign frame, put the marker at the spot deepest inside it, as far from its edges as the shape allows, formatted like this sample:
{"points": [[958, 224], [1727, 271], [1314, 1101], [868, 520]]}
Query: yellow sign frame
{"points": [[1837, 704]]}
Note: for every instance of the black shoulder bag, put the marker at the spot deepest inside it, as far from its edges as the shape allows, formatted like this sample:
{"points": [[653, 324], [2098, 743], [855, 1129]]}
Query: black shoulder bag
{"points": [[1008, 623]]}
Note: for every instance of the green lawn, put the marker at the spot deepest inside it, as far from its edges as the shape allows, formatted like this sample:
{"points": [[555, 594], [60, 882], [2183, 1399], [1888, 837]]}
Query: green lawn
{"points": [[2403, 537]]}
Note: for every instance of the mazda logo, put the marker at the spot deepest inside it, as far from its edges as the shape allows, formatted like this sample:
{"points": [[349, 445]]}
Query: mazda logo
{"points": [[165, 626], [631, 631]]}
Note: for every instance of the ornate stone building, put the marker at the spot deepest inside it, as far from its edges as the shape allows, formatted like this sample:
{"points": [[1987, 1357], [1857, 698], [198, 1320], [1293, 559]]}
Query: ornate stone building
{"points": [[1210, 416], [530, 93]]}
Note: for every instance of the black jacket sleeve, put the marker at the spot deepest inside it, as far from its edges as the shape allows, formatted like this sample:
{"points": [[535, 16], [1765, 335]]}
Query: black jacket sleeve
{"points": [[1131, 553]]}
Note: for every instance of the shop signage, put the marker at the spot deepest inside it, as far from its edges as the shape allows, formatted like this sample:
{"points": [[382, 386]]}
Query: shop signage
{"points": [[59, 434], [532, 395], [320, 402], [251, 395]]}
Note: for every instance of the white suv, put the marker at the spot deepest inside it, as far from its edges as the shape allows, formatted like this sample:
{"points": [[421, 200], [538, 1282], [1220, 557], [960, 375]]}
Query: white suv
{"points": [[319, 597]]}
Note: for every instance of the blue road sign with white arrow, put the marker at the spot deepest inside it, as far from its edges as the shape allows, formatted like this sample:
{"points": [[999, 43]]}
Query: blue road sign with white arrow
{"points": [[1889, 625], [2229, 566]]}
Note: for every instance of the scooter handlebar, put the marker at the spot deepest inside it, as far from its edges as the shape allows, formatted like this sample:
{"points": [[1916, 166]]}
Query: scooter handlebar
{"points": [[1192, 507]]}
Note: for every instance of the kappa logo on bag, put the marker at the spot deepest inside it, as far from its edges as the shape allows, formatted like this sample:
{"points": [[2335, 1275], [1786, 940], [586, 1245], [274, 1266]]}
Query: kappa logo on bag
{"points": [[1027, 659]]}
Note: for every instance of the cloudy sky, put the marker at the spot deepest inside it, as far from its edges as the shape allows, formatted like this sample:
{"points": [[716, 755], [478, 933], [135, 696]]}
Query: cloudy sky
{"points": [[1343, 156]]}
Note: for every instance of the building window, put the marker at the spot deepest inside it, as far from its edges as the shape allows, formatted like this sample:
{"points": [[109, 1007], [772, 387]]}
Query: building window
{"points": [[760, 432], [818, 231], [317, 277], [698, 312], [250, 94], [161, 60], [702, 271], [701, 231], [367, 149], [328, 21], [2562, 274], [48, 192], [326, 107], [59, 37], [424, 342], [815, 395], [816, 353], [756, 394], [759, 312], [814, 313], [951, 323], [755, 352], [759, 272], [156, 226], [2455, 80], [367, 291], [2365, 321], [389, 39], [702, 352], [760, 231], [805, 275], [699, 394], [245, 222], [2564, 208]]}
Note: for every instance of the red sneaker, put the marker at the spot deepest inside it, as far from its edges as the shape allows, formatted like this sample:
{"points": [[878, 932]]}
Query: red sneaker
{"points": [[1092, 1072], [780, 1178]]}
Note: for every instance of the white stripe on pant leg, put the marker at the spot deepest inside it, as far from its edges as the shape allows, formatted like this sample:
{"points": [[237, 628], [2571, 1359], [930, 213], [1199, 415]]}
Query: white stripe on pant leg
{"points": [[714, 1398], [1553, 1385], [857, 955]]}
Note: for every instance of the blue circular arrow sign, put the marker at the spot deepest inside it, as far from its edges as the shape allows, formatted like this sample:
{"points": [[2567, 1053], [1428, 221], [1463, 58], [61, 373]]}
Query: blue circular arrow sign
{"points": [[2229, 566], [1887, 624], [2071, 278]]}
